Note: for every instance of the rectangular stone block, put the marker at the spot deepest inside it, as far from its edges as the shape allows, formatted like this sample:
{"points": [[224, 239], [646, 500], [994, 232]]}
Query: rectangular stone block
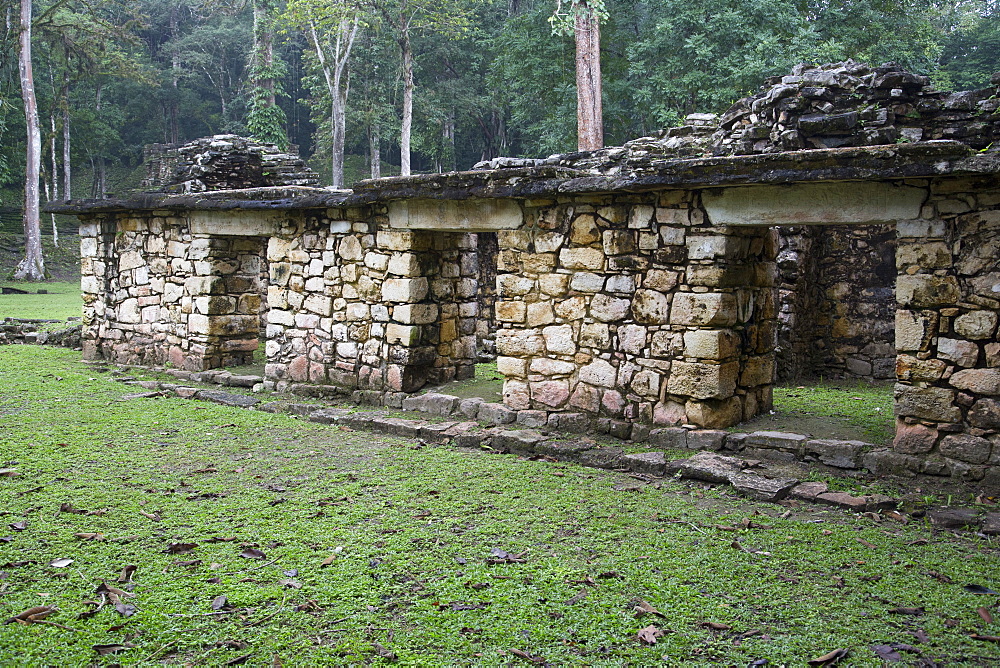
{"points": [[404, 289], [914, 330], [703, 381], [587, 259], [408, 335], [716, 344], [923, 291], [415, 314], [704, 309], [928, 403]]}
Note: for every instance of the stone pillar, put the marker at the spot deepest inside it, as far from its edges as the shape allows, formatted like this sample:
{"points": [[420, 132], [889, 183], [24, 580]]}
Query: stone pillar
{"points": [[948, 364], [725, 313]]}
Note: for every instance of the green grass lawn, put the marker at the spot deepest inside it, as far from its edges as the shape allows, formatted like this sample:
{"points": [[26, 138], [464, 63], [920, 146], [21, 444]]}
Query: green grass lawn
{"points": [[335, 547], [62, 301]]}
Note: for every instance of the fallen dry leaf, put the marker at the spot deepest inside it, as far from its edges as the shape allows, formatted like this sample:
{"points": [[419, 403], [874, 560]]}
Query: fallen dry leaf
{"points": [[382, 652], [220, 603], [976, 636], [252, 553], [34, 614], [716, 626], [527, 657], [907, 611], [649, 635], [104, 650], [641, 607], [985, 614], [61, 562], [90, 536], [866, 543], [127, 573], [152, 516], [829, 659], [8, 473], [180, 548]]}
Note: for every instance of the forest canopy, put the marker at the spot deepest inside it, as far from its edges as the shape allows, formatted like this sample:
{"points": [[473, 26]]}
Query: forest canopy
{"points": [[486, 78]]}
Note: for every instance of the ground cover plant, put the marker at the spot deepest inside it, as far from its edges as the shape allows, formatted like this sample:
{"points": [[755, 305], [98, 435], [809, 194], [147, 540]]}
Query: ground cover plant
{"points": [[160, 530], [61, 300]]}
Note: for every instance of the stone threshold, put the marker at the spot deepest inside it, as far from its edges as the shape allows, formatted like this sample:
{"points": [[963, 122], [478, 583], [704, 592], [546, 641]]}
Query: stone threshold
{"points": [[746, 475]]}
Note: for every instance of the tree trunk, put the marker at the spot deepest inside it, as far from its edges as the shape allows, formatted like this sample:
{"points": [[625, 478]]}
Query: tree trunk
{"points": [[264, 49], [407, 123], [32, 267], [67, 181], [589, 114], [374, 152], [100, 168], [54, 177], [175, 68]]}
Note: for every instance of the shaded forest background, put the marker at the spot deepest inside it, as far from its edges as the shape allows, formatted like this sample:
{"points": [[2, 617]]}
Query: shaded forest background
{"points": [[490, 78]]}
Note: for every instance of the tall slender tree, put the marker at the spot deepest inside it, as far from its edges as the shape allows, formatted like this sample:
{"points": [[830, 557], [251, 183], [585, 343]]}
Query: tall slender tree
{"points": [[584, 20], [32, 266]]}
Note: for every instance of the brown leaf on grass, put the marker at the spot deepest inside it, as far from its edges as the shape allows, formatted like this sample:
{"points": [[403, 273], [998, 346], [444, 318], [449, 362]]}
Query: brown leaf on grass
{"points": [[896, 515], [527, 657], [210, 469], [253, 553], [716, 626], [610, 575], [111, 590], [919, 541], [580, 595], [8, 473], [127, 573], [725, 527], [220, 603], [499, 556], [180, 548], [829, 659], [976, 636], [151, 516], [291, 584], [649, 635], [985, 614], [68, 508], [34, 614], [90, 536], [940, 577], [333, 557], [461, 606], [61, 562], [864, 542], [220, 539], [476, 585], [422, 514], [104, 650], [978, 589], [382, 652], [98, 606], [641, 607], [19, 526]]}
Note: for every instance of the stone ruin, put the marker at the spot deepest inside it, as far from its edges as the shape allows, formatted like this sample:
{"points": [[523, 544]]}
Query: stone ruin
{"points": [[844, 220], [223, 162]]}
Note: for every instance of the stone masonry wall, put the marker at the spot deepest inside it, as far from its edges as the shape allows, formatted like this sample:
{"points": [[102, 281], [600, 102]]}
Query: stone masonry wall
{"points": [[948, 368], [154, 293], [360, 307], [837, 296], [634, 309]]}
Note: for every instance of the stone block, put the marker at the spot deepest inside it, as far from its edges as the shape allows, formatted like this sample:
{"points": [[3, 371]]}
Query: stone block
{"points": [[407, 335], [777, 440], [586, 282], [962, 353], [978, 381], [649, 463], [532, 419], [914, 330], [928, 403], [649, 307], [912, 369], [985, 414], [574, 308], [608, 309], [495, 414], [620, 283], [646, 384], [669, 437], [512, 366], [599, 372], [595, 335], [555, 285], [707, 466], [404, 289], [707, 247], [762, 488], [520, 342], [841, 454], [516, 394], [706, 439], [704, 309], [715, 344], [404, 264], [470, 407], [586, 398], [512, 285], [632, 339], [618, 242], [660, 279], [976, 325], [550, 367], [757, 371], [966, 448], [924, 290], [539, 313], [559, 339], [640, 216], [713, 414], [603, 457], [551, 393], [914, 439], [412, 314], [703, 381], [511, 311], [928, 255], [808, 491], [584, 230], [402, 240], [586, 259]]}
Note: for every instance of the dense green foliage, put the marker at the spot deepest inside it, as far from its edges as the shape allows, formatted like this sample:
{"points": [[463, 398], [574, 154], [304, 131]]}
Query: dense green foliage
{"points": [[491, 78], [333, 547]]}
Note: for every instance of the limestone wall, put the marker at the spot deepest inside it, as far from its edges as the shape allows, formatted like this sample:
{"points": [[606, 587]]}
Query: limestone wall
{"points": [[636, 309], [948, 369], [360, 307], [156, 293], [837, 296]]}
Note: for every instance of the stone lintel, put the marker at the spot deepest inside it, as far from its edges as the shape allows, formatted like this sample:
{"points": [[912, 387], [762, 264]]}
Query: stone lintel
{"points": [[471, 215], [843, 202], [237, 223]]}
